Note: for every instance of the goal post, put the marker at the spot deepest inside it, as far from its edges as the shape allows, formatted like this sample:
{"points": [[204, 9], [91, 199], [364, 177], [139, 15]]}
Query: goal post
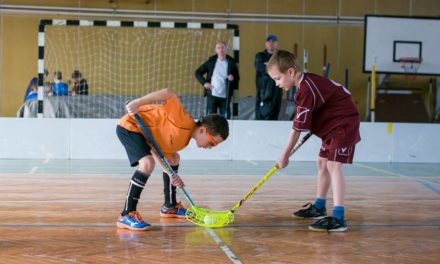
{"points": [[125, 59]]}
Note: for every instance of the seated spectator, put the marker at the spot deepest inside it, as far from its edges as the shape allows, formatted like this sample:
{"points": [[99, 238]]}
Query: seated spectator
{"points": [[46, 82], [32, 90], [59, 87], [80, 85]]}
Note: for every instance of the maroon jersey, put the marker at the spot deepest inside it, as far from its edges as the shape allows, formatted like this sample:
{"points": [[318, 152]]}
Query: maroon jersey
{"points": [[326, 108]]}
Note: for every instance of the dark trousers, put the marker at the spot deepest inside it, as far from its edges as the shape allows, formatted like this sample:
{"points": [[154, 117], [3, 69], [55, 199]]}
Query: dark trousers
{"points": [[215, 104]]}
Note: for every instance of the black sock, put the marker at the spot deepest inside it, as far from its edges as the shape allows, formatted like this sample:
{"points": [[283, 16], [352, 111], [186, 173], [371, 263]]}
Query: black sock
{"points": [[135, 188], [169, 190]]}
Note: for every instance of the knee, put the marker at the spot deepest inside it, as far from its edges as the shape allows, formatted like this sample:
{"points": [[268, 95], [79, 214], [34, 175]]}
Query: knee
{"points": [[174, 160], [334, 166], [322, 164], [146, 164]]}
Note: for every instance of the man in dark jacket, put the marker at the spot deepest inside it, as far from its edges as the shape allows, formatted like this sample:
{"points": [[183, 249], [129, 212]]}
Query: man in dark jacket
{"points": [[220, 82], [268, 99]]}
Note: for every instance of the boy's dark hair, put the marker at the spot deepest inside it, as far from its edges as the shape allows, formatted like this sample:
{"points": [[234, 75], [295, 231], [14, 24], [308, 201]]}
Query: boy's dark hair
{"points": [[76, 74], [283, 60], [58, 75], [216, 125]]}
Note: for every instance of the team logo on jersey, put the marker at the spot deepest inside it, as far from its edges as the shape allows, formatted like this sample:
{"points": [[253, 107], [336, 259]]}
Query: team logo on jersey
{"points": [[345, 151], [301, 114]]}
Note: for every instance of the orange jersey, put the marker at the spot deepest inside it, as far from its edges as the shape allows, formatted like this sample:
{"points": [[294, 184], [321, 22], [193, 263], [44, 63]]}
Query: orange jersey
{"points": [[169, 123]]}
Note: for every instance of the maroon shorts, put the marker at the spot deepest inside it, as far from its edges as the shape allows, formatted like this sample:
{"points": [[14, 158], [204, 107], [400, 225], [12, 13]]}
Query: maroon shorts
{"points": [[341, 154]]}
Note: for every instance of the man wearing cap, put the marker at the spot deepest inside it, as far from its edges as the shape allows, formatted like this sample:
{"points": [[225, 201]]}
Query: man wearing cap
{"points": [[268, 100]]}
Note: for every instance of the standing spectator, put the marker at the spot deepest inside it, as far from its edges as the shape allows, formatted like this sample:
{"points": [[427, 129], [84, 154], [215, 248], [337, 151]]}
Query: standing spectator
{"points": [[80, 86], [59, 87], [221, 80], [268, 100]]}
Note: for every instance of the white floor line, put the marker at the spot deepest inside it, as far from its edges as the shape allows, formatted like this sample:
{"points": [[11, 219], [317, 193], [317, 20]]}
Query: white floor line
{"points": [[424, 183], [376, 169], [228, 252], [252, 162], [33, 170]]}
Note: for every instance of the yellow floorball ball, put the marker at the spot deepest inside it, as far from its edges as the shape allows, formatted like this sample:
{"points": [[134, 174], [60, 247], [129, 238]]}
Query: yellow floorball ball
{"points": [[209, 220]]}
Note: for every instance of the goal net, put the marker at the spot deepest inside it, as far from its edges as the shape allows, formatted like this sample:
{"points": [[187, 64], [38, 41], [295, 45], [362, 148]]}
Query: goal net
{"points": [[120, 63]]}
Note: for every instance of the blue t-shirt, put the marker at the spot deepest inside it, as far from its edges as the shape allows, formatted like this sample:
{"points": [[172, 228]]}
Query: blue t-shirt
{"points": [[31, 96], [60, 89]]}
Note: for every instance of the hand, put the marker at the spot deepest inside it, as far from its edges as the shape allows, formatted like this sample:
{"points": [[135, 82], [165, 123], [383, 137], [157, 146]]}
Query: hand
{"points": [[133, 107], [177, 181], [230, 77], [283, 161], [207, 86]]}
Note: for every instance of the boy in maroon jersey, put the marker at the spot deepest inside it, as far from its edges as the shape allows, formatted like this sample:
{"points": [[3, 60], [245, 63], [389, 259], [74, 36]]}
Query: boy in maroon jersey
{"points": [[327, 110]]}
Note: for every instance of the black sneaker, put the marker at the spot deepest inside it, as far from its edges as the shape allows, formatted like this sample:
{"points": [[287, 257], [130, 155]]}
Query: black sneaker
{"points": [[311, 212], [329, 224]]}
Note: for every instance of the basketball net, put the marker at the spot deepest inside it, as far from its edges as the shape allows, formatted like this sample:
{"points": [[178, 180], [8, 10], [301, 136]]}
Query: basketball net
{"points": [[410, 66]]}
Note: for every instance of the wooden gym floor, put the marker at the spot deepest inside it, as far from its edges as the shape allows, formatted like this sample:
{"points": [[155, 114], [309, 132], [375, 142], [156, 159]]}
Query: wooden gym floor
{"points": [[57, 211]]}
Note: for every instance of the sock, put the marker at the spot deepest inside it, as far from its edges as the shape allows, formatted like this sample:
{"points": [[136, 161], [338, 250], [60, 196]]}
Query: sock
{"points": [[338, 212], [135, 188], [319, 202], [169, 190]]}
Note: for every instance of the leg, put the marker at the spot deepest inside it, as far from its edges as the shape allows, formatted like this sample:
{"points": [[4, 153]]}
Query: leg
{"points": [[337, 222], [130, 218], [168, 189], [137, 184], [318, 209], [324, 179], [338, 182], [171, 208], [211, 105], [138, 153], [222, 107], [337, 157]]}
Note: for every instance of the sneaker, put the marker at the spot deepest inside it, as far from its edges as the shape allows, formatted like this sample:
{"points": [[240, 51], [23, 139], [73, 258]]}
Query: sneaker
{"points": [[311, 212], [329, 224], [132, 221], [177, 211]]}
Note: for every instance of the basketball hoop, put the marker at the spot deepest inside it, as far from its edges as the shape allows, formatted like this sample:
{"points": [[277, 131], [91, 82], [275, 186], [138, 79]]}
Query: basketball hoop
{"points": [[410, 66]]}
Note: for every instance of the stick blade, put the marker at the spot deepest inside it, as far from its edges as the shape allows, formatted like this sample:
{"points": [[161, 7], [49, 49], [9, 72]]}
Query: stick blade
{"points": [[209, 218]]}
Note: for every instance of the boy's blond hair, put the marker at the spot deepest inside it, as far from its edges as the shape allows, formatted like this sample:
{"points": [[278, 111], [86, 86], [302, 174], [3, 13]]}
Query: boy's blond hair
{"points": [[283, 60]]}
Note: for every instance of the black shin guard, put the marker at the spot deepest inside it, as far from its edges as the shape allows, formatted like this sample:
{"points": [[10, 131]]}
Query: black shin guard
{"points": [[135, 188], [169, 190]]}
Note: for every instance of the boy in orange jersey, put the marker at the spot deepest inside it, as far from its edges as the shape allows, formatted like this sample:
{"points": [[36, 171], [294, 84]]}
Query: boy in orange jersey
{"points": [[172, 128]]}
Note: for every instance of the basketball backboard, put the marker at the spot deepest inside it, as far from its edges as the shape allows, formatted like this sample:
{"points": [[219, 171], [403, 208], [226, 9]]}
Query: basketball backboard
{"points": [[388, 39]]}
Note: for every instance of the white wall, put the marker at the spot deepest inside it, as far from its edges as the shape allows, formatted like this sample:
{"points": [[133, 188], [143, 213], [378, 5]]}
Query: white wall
{"points": [[249, 140]]}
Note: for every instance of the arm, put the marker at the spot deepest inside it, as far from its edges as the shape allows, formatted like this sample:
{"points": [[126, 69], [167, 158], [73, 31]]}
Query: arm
{"points": [[176, 181], [235, 74], [283, 160], [164, 94], [200, 72], [204, 68], [260, 66]]}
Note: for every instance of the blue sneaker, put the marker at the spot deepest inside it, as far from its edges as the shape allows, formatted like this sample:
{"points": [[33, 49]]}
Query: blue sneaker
{"points": [[132, 221], [177, 211]]}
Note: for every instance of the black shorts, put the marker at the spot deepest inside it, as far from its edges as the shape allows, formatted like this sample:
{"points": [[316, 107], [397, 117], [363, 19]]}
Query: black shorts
{"points": [[134, 143]]}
